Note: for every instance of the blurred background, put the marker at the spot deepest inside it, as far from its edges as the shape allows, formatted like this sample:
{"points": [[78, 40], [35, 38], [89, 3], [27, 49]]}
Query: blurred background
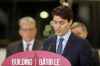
{"points": [[12, 10]]}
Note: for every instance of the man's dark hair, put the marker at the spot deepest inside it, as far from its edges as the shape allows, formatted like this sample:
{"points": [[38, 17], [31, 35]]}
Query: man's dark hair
{"points": [[64, 12]]}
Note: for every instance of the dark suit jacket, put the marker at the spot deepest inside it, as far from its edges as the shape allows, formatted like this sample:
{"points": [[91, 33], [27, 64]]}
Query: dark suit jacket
{"points": [[18, 47], [77, 50]]}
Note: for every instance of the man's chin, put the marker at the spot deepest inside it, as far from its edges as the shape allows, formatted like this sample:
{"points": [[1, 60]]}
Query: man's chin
{"points": [[28, 40], [59, 34]]}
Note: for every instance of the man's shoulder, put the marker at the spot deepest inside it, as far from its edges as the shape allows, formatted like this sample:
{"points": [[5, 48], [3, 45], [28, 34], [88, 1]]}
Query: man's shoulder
{"points": [[14, 44], [39, 43], [12, 47], [52, 37], [79, 41]]}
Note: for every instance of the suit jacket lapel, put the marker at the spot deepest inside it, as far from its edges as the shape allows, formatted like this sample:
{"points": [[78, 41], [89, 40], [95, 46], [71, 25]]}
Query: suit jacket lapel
{"points": [[69, 44], [35, 45], [54, 44], [19, 46]]}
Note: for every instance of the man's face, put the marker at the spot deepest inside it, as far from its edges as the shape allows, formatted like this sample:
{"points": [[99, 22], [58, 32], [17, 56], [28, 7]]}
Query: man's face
{"points": [[78, 31], [60, 26], [28, 31]]}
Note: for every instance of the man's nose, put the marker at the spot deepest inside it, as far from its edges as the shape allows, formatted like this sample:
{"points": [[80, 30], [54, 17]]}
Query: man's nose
{"points": [[57, 26]]}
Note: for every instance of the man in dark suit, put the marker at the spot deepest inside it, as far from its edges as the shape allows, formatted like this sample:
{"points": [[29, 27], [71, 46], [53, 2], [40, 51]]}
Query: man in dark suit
{"points": [[29, 41], [64, 42]]}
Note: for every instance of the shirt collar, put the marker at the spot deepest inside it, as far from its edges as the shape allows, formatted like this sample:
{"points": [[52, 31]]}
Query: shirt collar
{"points": [[25, 44], [30, 42], [66, 37]]}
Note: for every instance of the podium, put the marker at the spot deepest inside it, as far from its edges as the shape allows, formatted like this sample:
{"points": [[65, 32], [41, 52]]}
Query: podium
{"points": [[36, 58]]}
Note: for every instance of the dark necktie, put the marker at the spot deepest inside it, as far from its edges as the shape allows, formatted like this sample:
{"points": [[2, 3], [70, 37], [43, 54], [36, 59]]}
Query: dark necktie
{"points": [[27, 48], [59, 49]]}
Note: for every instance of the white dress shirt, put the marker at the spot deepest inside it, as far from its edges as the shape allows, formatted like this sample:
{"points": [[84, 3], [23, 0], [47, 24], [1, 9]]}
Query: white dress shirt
{"points": [[66, 37], [30, 46]]}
